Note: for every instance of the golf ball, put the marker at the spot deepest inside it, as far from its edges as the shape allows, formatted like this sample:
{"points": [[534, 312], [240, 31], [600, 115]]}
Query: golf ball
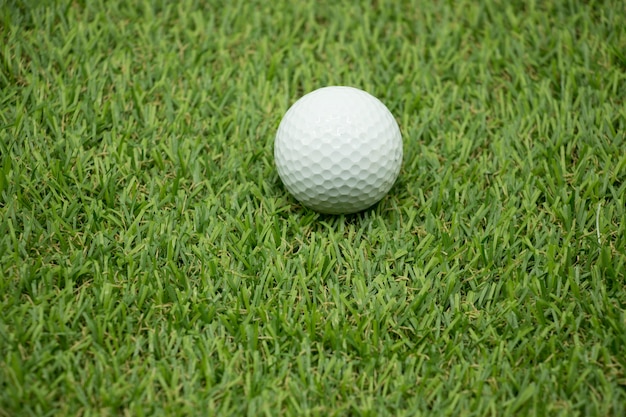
{"points": [[338, 150]]}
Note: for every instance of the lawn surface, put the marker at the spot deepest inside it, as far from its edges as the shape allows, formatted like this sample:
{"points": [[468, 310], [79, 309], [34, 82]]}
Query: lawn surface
{"points": [[152, 263]]}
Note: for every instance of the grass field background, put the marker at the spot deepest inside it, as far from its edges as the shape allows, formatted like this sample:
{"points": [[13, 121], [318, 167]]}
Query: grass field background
{"points": [[152, 263]]}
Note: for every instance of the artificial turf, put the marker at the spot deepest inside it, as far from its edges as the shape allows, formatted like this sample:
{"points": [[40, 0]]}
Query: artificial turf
{"points": [[152, 263]]}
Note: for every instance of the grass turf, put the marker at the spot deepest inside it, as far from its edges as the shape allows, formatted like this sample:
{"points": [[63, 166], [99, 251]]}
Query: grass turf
{"points": [[153, 264]]}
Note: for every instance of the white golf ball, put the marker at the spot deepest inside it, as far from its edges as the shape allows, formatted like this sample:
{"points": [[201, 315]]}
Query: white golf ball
{"points": [[338, 150]]}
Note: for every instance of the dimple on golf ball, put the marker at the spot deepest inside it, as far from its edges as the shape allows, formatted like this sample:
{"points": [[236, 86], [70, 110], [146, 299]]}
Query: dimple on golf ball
{"points": [[338, 150]]}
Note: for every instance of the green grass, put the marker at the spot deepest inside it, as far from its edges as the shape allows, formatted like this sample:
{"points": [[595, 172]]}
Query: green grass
{"points": [[152, 263]]}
